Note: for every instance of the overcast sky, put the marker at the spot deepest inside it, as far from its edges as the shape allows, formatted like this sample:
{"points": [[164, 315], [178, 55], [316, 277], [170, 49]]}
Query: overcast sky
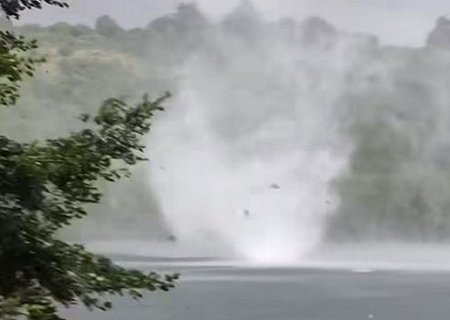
{"points": [[403, 22]]}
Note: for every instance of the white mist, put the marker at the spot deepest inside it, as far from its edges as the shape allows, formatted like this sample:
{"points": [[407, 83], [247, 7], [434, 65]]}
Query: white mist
{"points": [[243, 159]]}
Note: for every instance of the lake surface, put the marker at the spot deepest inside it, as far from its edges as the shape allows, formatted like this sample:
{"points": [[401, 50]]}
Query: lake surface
{"points": [[245, 293]]}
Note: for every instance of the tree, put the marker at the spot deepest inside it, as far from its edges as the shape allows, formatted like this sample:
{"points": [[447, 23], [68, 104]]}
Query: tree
{"points": [[45, 185], [107, 27], [13, 64], [244, 20]]}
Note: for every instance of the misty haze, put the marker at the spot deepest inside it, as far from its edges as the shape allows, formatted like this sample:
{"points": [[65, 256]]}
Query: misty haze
{"points": [[300, 168]]}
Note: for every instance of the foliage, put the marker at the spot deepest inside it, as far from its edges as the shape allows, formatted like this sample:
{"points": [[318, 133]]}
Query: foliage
{"points": [[14, 65], [83, 64], [13, 8], [45, 185], [107, 27]]}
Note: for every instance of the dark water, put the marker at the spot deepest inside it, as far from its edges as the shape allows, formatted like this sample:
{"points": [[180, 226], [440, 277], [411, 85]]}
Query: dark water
{"points": [[287, 294]]}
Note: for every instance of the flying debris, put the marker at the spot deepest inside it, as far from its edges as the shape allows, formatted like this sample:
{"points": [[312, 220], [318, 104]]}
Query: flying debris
{"points": [[274, 186], [171, 238]]}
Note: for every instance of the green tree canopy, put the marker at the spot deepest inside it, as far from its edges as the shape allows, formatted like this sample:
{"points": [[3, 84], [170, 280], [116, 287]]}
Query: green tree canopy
{"points": [[107, 26], [45, 185], [13, 8]]}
